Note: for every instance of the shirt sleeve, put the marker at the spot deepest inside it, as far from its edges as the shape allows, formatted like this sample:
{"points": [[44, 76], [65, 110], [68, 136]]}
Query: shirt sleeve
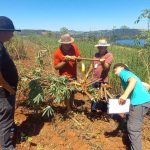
{"points": [[77, 50], [109, 58], [125, 75], [56, 59]]}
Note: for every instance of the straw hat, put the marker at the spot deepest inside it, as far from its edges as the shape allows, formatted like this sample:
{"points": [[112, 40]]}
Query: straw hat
{"points": [[66, 39], [102, 43]]}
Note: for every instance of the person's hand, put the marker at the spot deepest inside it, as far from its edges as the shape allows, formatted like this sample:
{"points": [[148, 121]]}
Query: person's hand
{"points": [[147, 86], [73, 57], [102, 61], [78, 58], [122, 100], [67, 58]]}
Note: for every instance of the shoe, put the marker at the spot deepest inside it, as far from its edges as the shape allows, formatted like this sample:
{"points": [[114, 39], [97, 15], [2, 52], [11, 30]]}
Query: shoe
{"points": [[114, 133]]}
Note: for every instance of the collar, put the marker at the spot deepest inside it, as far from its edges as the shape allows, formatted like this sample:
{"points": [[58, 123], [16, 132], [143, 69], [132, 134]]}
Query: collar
{"points": [[122, 71]]}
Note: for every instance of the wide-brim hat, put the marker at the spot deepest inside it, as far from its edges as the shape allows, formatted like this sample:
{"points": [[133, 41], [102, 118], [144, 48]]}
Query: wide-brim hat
{"points": [[66, 39], [102, 43], [6, 24]]}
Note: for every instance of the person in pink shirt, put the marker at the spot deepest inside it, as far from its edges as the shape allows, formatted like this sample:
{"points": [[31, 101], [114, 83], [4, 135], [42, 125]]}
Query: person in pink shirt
{"points": [[101, 70]]}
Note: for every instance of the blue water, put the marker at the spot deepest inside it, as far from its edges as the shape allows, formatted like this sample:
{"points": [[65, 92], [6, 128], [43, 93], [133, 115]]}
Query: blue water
{"points": [[130, 42]]}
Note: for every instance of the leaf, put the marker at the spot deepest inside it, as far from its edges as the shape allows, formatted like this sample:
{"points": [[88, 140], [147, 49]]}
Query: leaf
{"points": [[38, 99], [24, 79], [48, 111], [29, 139]]}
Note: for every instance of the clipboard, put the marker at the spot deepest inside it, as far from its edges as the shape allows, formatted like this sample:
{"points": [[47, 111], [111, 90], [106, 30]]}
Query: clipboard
{"points": [[115, 108]]}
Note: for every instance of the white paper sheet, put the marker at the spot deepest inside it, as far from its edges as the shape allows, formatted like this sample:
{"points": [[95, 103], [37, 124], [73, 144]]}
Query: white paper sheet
{"points": [[115, 108]]}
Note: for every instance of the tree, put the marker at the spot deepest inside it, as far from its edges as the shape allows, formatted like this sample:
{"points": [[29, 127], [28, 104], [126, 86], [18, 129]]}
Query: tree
{"points": [[64, 30], [143, 15], [145, 34], [124, 27], [113, 36], [145, 53]]}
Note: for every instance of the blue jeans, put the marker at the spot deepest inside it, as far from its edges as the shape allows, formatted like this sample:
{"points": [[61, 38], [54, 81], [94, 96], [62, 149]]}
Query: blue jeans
{"points": [[7, 109]]}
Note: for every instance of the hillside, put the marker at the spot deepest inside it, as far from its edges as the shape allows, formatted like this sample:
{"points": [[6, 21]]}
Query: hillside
{"points": [[116, 33]]}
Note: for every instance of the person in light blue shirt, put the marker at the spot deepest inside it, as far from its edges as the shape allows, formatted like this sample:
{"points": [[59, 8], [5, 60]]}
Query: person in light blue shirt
{"points": [[139, 96]]}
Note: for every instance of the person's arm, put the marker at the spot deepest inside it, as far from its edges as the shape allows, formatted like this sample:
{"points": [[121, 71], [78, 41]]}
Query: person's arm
{"points": [[128, 90], [3, 83], [147, 86], [104, 64], [67, 58], [60, 65], [6, 86], [58, 62]]}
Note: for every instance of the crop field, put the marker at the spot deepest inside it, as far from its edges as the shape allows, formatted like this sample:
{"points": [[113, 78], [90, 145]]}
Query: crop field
{"points": [[43, 125]]}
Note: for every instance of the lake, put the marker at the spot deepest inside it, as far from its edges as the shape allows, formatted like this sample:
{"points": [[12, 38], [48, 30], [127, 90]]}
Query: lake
{"points": [[130, 42]]}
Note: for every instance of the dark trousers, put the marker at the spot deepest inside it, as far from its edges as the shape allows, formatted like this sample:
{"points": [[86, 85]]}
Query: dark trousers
{"points": [[7, 109], [100, 105]]}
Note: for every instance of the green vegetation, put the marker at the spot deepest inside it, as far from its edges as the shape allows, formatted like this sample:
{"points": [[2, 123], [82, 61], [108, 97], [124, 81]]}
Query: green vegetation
{"points": [[125, 54], [45, 87], [145, 53], [116, 33], [16, 48], [46, 90]]}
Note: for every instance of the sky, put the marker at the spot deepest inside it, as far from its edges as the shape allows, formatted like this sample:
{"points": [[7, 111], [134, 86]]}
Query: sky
{"points": [[79, 15]]}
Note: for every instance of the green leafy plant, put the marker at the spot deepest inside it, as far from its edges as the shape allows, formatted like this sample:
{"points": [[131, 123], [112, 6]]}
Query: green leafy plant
{"points": [[59, 88], [48, 111]]}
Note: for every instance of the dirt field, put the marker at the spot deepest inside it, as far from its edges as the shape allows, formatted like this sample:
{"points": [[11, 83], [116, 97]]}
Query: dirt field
{"points": [[81, 131]]}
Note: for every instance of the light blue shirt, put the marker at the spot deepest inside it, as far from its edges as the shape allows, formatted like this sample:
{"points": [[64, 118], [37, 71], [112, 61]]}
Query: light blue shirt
{"points": [[140, 94]]}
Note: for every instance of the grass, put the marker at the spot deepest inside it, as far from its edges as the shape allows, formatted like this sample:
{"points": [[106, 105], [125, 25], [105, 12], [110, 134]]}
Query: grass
{"points": [[124, 54], [16, 48]]}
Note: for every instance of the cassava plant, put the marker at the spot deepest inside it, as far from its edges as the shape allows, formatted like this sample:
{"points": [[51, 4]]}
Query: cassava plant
{"points": [[47, 89]]}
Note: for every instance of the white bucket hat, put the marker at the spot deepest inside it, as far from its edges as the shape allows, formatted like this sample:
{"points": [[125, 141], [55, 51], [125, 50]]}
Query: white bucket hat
{"points": [[102, 43], [66, 39]]}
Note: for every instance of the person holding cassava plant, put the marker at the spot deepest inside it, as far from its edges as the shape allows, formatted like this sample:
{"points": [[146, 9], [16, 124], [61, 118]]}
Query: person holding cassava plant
{"points": [[8, 86], [139, 96], [100, 71], [65, 61]]}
